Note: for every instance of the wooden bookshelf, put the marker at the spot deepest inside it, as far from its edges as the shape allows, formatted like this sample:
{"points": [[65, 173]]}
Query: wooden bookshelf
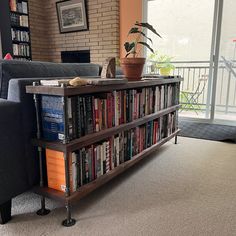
{"points": [[68, 147]]}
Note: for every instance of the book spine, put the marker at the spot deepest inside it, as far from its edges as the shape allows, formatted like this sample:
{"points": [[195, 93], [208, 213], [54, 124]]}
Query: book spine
{"points": [[74, 172], [89, 113], [52, 118], [96, 114], [81, 121]]}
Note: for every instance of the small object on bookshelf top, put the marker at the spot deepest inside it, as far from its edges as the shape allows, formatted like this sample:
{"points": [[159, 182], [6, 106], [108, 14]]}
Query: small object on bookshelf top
{"points": [[82, 81]]}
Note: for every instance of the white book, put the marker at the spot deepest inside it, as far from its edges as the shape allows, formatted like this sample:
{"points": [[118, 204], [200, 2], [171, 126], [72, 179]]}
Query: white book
{"points": [[25, 7], [101, 157], [162, 97], [74, 172], [117, 151]]}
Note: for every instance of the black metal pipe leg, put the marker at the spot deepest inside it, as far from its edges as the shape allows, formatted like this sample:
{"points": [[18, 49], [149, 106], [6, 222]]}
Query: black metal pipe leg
{"points": [[176, 139], [43, 211], [5, 212], [68, 222]]}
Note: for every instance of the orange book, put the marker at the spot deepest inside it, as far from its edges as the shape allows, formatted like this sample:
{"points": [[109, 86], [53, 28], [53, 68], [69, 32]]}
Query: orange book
{"points": [[56, 170]]}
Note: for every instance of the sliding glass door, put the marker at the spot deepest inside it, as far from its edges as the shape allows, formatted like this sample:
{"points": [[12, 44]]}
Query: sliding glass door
{"points": [[225, 95], [186, 29]]}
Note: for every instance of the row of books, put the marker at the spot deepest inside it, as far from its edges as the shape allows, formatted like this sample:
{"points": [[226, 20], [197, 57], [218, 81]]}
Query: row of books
{"points": [[19, 35], [21, 49], [17, 20], [89, 163], [18, 6], [88, 114], [22, 59]]}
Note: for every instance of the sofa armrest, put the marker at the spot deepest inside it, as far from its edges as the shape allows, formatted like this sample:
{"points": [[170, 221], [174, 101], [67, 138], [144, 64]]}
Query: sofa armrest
{"points": [[10, 120], [13, 176]]}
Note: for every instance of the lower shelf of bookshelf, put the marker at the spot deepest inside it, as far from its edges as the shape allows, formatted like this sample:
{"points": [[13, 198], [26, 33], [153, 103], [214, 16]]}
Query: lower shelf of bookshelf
{"points": [[88, 188]]}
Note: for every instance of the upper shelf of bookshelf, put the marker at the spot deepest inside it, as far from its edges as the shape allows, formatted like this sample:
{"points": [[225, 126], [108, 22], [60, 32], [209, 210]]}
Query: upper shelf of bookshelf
{"points": [[89, 89], [103, 134]]}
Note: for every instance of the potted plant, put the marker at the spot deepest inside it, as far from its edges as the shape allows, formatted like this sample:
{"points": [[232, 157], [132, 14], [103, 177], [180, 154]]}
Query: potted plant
{"points": [[162, 62], [133, 66]]}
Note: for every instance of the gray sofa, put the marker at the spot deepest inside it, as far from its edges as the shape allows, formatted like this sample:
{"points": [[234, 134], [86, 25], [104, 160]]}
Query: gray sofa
{"points": [[18, 159]]}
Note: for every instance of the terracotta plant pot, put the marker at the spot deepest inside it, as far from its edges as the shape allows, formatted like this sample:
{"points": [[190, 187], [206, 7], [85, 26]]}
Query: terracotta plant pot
{"points": [[132, 68]]}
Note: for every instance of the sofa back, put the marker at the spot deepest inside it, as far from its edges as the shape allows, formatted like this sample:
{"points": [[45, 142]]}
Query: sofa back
{"points": [[20, 69]]}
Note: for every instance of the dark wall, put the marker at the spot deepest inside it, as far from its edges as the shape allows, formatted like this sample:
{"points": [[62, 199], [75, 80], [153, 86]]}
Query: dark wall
{"points": [[5, 27]]}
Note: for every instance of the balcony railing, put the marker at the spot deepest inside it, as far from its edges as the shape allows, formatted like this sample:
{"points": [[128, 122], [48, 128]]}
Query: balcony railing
{"points": [[196, 80]]}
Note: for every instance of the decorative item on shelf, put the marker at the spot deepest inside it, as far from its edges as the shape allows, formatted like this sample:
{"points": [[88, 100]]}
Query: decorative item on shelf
{"points": [[72, 16], [8, 57], [82, 81], [161, 63], [133, 67], [109, 68]]}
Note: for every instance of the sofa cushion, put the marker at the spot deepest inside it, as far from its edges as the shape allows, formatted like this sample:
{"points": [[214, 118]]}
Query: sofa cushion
{"points": [[20, 69]]}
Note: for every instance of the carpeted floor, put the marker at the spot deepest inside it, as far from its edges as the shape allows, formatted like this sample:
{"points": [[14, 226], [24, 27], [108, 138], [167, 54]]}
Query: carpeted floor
{"points": [[207, 131], [187, 189]]}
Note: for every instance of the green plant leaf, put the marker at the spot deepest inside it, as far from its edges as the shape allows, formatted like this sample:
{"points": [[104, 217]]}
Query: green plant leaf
{"points": [[146, 45], [136, 30], [129, 46], [148, 26]]}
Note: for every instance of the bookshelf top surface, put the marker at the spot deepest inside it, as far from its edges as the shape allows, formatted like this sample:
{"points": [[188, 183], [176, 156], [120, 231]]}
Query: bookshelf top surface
{"points": [[89, 89]]}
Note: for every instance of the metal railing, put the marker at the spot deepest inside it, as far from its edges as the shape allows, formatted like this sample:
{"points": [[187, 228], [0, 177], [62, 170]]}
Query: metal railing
{"points": [[193, 72]]}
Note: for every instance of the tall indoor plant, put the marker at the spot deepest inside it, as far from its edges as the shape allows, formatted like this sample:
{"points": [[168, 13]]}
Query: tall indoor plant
{"points": [[133, 66]]}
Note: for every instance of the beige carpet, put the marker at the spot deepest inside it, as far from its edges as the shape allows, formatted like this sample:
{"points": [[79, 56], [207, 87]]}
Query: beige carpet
{"points": [[185, 189]]}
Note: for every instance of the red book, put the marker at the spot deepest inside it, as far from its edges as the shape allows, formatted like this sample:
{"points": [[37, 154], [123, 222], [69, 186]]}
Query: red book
{"points": [[109, 110], [137, 140], [118, 107], [157, 132], [94, 162], [100, 114], [135, 106], [113, 109], [96, 114]]}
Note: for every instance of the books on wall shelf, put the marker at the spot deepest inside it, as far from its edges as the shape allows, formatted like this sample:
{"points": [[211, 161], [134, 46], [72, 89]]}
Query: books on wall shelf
{"points": [[93, 113], [19, 20], [91, 162], [19, 6], [20, 36], [21, 49]]}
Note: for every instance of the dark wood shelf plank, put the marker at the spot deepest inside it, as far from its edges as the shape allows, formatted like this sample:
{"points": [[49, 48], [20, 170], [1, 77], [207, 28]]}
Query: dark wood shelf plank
{"points": [[23, 28], [19, 13], [103, 134], [90, 89], [90, 187], [20, 42]]}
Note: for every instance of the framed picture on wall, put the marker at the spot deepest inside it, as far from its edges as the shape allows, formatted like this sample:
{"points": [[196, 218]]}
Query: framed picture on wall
{"points": [[72, 16]]}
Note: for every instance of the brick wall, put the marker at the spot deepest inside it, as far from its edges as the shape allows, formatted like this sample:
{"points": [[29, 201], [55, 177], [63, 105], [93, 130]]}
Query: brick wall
{"points": [[39, 33], [102, 38]]}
